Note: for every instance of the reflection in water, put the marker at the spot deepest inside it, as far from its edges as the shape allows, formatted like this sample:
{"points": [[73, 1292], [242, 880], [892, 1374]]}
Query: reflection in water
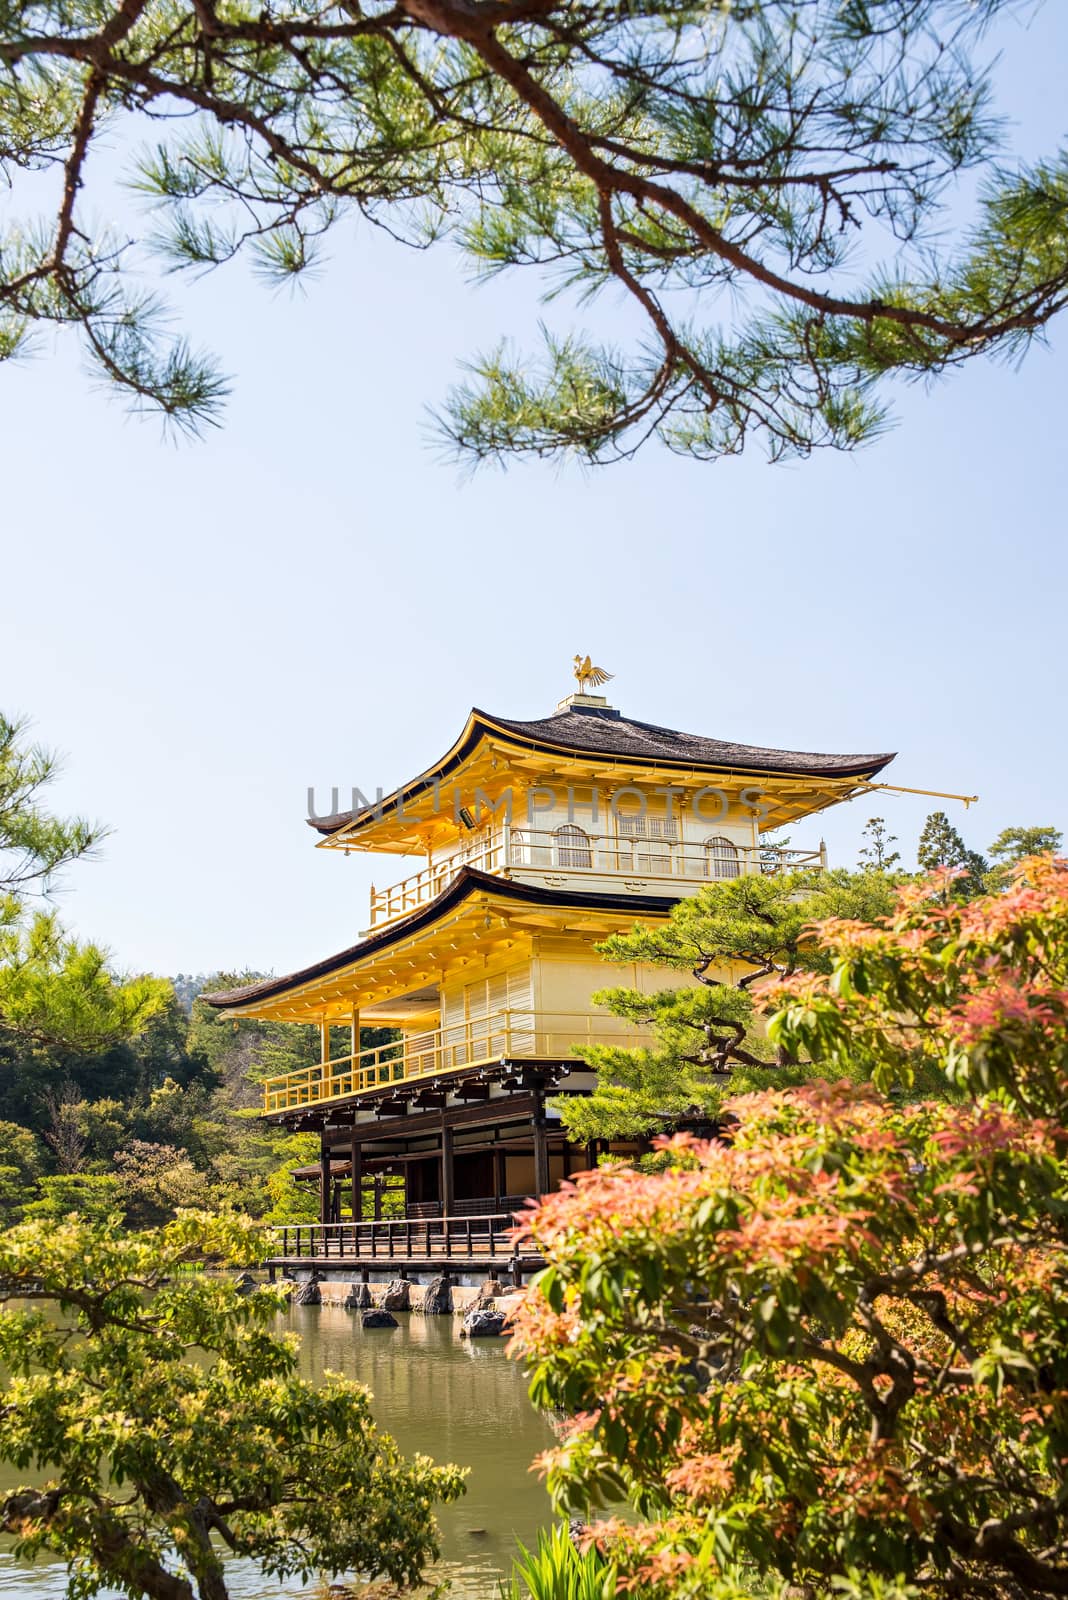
{"points": [[437, 1394]]}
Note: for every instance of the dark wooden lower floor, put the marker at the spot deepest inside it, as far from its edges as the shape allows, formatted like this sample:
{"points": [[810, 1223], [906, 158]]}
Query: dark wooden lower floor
{"points": [[438, 1176], [487, 1242]]}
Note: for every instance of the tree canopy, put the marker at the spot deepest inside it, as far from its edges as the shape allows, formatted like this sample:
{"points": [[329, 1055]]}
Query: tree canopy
{"points": [[175, 1426], [769, 185], [830, 1356], [710, 1038], [54, 991], [35, 845], [941, 847]]}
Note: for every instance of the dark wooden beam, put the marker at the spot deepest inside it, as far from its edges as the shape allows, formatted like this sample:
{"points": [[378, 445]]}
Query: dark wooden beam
{"points": [[448, 1170], [542, 1180], [324, 1180], [356, 1159], [497, 1111], [391, 1108]]}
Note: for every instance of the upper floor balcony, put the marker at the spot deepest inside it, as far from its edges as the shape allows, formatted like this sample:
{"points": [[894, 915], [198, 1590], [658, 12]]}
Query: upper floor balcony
{"points": [[475, 1042], [669, 865]]}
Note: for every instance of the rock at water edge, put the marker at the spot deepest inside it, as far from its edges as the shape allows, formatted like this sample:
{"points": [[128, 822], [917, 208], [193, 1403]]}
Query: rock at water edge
{"points": [[379, 1319], [437, 1302], [483, 1324]]}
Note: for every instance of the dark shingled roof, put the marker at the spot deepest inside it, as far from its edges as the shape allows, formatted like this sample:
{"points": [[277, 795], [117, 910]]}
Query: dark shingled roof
{"points": [[466, 882], [582, 730], [615, 735]]}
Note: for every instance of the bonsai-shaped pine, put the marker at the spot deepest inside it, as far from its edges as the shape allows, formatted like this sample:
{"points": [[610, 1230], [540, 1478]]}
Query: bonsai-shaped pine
{"points": [[1013, 845], [709, 1035], [833, 1352], [171, 1425]]}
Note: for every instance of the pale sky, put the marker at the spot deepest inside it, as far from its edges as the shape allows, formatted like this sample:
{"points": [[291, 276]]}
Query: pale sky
{"points": [[312, 596]]}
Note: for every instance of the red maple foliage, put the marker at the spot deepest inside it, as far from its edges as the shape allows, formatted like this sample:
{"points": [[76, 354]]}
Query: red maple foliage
{"points": [[834, 1351]]}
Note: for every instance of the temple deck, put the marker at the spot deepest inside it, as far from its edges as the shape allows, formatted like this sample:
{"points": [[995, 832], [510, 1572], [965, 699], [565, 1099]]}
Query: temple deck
{"points": [[480, 1242]]}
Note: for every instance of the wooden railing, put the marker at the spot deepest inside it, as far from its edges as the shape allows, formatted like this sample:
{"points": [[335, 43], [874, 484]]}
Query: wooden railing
{"points": [[479, 1040], [605, 854], [487, 853], [490, 1236]]}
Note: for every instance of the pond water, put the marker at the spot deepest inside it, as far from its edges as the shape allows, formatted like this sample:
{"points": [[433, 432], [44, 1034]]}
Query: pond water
{"points": [[449, 1398]]}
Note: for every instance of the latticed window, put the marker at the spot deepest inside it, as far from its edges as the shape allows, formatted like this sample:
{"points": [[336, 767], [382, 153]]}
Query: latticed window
{"points": [[721, 858], [573, 847], [643, 827]]}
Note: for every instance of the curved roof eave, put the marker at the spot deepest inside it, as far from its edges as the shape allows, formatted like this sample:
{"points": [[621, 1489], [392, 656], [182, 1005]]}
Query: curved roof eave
{"points": [[467, 882], [651, 746]]}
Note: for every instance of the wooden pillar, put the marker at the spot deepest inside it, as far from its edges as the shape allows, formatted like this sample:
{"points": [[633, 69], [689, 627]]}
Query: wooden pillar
{"points": [[448, 1187], [567, 1158], [500, 1158], [324, 1048], [378, 1197], [354, 1035], [324, 1179], [542, 1181], [356, 1159], [591, 1155]]}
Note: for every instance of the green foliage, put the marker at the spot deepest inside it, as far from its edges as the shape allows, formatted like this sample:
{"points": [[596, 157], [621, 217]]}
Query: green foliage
{"points": [[710, 1038], [94, 1196], [941, 848], [292, 1201], [876, 854], [34, 845], [157, 1180], [55, 991], [1013, 845], [175, 1127], [176, 1426], [771, 186], [556, 1570], [831, 1353], [118, 1095], [172, 1114], [20, 1168]]}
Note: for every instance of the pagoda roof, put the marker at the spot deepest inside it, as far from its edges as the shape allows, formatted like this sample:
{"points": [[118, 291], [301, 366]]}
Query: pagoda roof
{"points": [[604, 732], [468, 881]]}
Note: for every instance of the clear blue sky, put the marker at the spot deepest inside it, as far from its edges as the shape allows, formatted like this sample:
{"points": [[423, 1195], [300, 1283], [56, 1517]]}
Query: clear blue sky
{"points": [[312, 597]]}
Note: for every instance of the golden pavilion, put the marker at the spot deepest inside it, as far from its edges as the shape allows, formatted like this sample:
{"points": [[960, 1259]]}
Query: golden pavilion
{"points": [[534, 841]]}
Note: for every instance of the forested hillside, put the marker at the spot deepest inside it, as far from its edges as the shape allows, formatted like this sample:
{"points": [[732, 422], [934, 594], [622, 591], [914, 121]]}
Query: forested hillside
{"points": [[169, 1118]]}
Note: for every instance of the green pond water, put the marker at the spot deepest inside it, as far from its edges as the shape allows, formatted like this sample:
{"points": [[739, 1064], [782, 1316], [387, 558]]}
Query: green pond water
{"points": [[453, 1400]]}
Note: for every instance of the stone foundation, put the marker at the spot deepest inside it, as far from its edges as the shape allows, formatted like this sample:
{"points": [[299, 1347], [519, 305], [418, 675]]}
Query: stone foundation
{"points": [[336, 1291]]}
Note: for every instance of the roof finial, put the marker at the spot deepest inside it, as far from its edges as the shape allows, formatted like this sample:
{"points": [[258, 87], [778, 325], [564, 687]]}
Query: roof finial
{"points": [[588, 674]]}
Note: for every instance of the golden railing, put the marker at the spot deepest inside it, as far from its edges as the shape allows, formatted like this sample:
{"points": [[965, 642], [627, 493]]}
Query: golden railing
{"points": [[605, 854], [476, 1042]]}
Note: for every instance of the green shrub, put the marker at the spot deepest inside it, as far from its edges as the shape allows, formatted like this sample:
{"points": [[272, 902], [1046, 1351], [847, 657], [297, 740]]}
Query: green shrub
{"points": [[556, 1570]]}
